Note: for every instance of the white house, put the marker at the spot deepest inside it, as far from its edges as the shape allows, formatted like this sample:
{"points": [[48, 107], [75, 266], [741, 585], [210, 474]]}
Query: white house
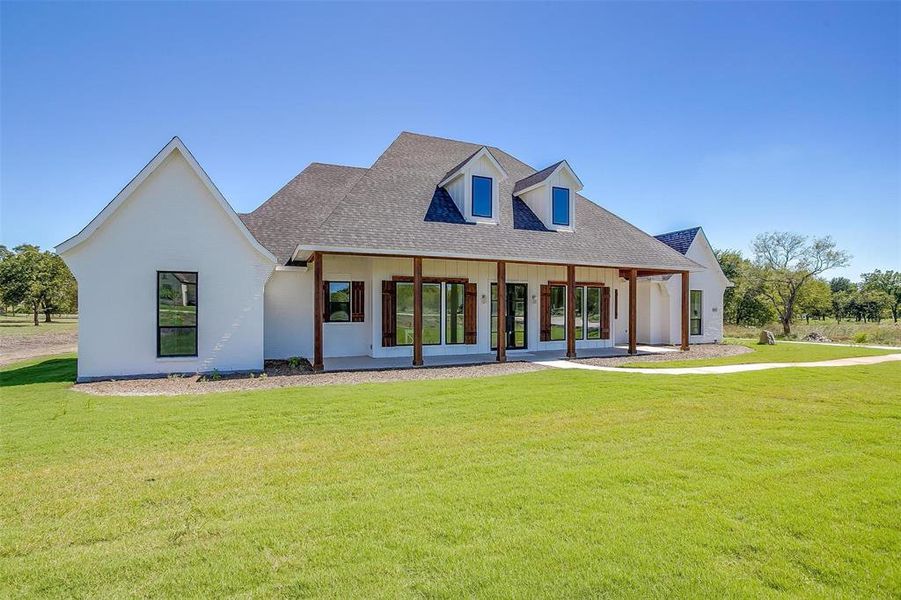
{"points": [[439, 249]]}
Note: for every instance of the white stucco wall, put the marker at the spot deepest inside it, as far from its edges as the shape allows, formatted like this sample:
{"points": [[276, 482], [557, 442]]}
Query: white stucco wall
{"points": [[171, 222], [712, 284]]}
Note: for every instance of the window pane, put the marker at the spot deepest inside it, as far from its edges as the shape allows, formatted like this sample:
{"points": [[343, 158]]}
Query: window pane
{"points": [[176, 341], [580, 328], [593, 313], [561, 206], [454, 318], [558, 312], [431, 313], [339, 301], [494, 315], [695, 313], [177, 299], [481, 196], [404, 314]]}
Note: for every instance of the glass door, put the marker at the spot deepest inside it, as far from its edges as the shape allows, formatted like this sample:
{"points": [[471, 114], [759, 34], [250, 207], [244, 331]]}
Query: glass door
{"points": [[517, 316]]}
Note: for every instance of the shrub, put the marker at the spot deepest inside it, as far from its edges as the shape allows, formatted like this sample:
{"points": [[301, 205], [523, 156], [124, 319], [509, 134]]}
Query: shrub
{"points": [[215, 375], [294, 362], [860, 338]]}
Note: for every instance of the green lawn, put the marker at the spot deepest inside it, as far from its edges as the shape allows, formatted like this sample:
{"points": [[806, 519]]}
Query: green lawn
{"points": [[554, 483], [20, 324], [781, 352]]}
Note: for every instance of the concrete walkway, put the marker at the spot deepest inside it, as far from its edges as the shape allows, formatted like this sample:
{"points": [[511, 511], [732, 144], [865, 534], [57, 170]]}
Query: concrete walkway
{"points": [[839, 362]]}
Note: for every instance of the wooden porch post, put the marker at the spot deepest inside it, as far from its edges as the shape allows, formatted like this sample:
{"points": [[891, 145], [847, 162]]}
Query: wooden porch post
{"points": [[417, 311], [633, 311], [501, 311], [570, 311], [317, 311], [685, 307]]}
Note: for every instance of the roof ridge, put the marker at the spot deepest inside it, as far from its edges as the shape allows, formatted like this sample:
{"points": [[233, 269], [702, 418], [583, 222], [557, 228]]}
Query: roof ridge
{"points": [[325, 164]]}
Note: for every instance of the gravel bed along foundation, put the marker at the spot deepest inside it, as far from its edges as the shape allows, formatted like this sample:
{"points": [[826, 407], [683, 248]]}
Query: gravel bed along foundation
{"points": [[278, 376]]}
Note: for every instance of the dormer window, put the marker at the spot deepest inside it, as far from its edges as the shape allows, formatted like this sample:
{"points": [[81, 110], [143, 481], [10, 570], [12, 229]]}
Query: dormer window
{"points": [[560, 206], [482, 201]]}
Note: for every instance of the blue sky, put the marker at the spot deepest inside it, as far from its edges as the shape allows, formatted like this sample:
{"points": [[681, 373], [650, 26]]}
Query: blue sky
{"points": [[740, 117]]}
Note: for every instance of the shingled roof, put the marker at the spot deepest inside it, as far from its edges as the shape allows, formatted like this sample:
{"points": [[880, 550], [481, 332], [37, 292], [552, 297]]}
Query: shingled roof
{"points": [[300, 206], [535, 178], [386, 210], [680, 240]]}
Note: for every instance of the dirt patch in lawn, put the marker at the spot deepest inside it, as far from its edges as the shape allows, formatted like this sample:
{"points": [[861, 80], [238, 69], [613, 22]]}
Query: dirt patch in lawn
{"points": [[278, 374], [14, 348], [698, 352]]}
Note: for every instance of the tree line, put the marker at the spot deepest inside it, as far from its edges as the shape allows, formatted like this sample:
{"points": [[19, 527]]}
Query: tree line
{"points": [[36, 281], [783, 281]]}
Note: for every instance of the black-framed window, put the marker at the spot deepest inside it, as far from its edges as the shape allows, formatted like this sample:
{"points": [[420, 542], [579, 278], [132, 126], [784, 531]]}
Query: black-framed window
{"points": [[338, 302], [482, 191], [176, 313], [694, 312], [454, 326], [560, 206], [558, 313], [431, 314], [593, 313]]}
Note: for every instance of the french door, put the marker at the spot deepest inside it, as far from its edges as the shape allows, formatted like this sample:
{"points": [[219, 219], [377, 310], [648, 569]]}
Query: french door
{"points": [[517, 316]]}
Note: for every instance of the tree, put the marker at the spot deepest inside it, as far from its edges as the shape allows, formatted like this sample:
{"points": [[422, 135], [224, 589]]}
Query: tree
{"points": [[841, 284], [39, 279], [784, 262], [743, 303], [815, 300], [888, 282]]}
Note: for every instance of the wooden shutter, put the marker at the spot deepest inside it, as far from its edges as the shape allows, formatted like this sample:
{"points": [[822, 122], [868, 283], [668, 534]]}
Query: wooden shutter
{"points": [[470, 314], [545, 313], [357, 302], [389, 315], [605, 313]]}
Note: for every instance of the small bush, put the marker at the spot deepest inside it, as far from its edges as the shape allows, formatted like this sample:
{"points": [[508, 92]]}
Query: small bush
{"points": [[860, 338], [264, 375], [294, 362], [215, 375]]}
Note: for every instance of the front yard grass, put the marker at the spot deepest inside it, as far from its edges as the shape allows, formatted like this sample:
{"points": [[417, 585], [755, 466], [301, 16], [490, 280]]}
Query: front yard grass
{"points": [[558, 483], [22, 324], [760, 353]]}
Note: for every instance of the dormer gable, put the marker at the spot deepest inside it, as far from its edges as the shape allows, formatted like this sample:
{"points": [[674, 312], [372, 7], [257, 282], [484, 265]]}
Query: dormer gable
{"points": [[474, 186], [551, 194]]}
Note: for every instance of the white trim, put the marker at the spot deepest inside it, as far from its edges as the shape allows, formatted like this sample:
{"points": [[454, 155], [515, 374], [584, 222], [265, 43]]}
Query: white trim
{"points": [[544, 181], [458, 256], [128, 190], [483, 151], [719, 269], [291, 268]]}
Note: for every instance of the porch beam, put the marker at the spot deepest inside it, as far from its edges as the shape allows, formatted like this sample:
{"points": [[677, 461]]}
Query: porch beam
{"points": [[570, 311], [417, 311], [501, 311], [685, 308], [317, 311], [633, 311]]}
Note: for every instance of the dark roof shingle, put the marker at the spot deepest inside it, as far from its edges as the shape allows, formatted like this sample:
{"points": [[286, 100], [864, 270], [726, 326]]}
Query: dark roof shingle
{"points": [[680, 240]]}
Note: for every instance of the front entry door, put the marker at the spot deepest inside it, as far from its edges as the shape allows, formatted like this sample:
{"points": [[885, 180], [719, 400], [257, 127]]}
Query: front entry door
{"points": [[517, 316]]}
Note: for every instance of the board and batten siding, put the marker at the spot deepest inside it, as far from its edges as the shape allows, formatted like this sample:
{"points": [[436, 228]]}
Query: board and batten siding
{"points": [[289, 306]]}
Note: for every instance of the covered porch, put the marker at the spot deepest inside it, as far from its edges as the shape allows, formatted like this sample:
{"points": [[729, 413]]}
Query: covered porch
{"points": [[475, 349], [368, 363]]}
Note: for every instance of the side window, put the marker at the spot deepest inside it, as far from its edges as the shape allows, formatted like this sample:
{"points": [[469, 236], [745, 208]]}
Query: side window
{"points": [[694, 312], [344, 301], [481, 196], [560, 206], [338, 310], [176, 313], [558, 312]]}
